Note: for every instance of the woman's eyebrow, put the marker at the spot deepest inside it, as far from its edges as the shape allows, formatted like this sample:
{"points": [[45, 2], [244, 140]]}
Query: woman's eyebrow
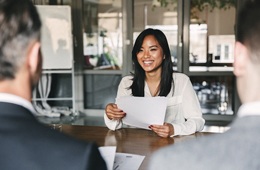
{"points": [[153, 46]]}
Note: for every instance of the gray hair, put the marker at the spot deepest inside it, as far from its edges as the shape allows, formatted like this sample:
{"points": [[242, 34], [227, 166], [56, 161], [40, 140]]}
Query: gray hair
{"points": [[19, 26]]}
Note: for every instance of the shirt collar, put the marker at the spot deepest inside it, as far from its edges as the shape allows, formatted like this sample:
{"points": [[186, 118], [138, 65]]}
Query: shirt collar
{"points": [[249, 109], [10, 98]]}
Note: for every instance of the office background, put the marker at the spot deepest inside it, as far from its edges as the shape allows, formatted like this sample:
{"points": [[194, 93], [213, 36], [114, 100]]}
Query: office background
{"points": [[201, 38]]}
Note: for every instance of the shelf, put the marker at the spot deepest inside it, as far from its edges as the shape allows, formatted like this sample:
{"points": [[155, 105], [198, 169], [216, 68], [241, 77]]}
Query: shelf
{"points": [[117, 72], [53, 99], [220, 119], [210, 71], [206, 73], [57, 71]]}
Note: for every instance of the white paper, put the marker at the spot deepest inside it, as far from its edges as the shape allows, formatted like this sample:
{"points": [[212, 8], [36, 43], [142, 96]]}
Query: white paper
{"points": [[124, 161], [143, 111], [108, 153]]}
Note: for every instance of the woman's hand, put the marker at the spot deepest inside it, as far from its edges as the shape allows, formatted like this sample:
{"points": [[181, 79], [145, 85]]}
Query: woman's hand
{"points": [[165, 130], [113, 112]]}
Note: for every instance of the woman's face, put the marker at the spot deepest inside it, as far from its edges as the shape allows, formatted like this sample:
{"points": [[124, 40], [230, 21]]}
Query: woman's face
{"points": [[150, 56]]}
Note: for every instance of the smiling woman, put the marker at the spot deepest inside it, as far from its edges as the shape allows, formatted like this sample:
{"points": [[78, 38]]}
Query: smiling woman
{"points": [[153, 76], [152, 46]]}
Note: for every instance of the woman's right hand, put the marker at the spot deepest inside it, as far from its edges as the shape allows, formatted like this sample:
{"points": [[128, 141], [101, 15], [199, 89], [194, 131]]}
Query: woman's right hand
{"points": [[113, 112]]}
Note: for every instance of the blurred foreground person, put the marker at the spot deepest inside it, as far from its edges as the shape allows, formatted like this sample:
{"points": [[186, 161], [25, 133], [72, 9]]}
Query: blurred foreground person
{"points": [[239, 147], [26, 144]]}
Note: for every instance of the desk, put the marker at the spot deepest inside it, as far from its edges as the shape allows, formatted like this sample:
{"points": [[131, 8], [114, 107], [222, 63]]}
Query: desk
{"points": [[128, 140]]}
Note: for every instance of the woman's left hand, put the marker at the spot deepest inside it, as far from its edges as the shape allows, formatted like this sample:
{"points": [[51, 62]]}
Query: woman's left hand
{"points": [[165, 130]]}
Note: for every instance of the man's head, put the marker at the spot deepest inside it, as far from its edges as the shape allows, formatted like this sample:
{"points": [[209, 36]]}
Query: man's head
{"points": [[19, 40], [247, 52]]}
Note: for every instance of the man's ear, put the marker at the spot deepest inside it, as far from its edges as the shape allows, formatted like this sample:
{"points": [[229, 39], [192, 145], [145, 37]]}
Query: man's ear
{"points": [[240, 59], [34, 55]]}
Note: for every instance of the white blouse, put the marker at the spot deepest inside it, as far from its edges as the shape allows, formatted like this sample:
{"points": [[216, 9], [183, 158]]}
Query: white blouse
{"points": [[183, 108]]}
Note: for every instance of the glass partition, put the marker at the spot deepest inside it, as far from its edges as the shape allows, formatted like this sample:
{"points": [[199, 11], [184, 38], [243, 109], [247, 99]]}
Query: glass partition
{"points": [[102, 34], [212, 29], [210, 55], [153, 14]]}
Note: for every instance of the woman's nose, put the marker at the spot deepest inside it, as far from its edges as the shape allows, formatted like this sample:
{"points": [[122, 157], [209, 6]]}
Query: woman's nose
{"points": [[146, 54]]}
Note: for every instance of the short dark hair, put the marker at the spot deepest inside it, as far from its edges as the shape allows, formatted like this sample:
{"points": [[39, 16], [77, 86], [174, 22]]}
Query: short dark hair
{"points": [[167, 65], [19, 25], [248, 28]]}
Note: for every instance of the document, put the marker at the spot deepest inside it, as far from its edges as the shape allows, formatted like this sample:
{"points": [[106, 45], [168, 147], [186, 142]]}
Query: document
{"points": [[120, 161], [126, 161], [108, 153], [142, 112]]}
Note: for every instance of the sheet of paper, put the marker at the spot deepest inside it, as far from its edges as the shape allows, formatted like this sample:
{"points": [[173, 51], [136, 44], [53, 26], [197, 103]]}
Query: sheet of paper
{"points": [[126, 161], [143, 111], [108, 153]]}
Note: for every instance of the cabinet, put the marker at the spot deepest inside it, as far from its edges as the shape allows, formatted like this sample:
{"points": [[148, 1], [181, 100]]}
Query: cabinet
{"points": [[217, 95], [207, 57]]}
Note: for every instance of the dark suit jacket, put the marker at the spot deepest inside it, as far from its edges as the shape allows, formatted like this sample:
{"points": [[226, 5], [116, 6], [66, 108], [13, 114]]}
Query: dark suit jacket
{"points": [[236, 149], [26, 144]]}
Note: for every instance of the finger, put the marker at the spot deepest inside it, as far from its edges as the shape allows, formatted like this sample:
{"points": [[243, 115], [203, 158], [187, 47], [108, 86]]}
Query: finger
{"points": [[119, 115], [114, 108], [161, 134], [116, 115], [162, 131], [157, 127]]}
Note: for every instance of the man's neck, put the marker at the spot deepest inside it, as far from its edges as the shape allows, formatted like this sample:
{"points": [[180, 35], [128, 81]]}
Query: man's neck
{"points": [[14, 87]]}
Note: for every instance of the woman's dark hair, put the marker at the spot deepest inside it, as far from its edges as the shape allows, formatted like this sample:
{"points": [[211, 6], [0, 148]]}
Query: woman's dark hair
{"points": [[167, 67]]}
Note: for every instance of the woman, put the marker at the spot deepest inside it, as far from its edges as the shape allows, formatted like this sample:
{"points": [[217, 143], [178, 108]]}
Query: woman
{"points": [[153, 76]]}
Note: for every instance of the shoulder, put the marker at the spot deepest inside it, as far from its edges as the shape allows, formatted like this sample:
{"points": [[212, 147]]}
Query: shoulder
{"points": [[83, 150], [127, 78], [180, 77], [179, 153], [126, 81]]}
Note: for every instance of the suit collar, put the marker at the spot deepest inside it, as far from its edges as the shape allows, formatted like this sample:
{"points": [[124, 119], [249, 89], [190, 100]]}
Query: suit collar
{"points": [[13, 99]]}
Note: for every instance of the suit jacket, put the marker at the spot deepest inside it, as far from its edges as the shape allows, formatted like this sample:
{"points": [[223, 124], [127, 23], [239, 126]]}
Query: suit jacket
{"points": [[236, 149], [26, 144]]}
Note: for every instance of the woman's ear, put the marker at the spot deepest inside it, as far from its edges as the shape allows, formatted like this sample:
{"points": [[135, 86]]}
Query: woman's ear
{"points": [[240, 59]]}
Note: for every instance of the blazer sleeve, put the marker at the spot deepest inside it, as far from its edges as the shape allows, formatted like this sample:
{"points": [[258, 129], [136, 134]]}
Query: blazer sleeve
{"points": [[94, 160]]}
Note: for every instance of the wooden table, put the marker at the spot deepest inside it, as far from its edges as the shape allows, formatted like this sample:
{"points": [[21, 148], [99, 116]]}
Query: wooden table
{"points": [[128, 140]]}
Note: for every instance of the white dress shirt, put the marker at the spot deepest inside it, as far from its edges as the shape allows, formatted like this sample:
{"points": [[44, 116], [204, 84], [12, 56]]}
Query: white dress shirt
{"points": [[183, 108], [10, 98]]}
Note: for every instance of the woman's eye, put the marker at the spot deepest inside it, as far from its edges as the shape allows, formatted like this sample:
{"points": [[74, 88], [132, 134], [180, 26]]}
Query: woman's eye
{"points": [[140, 50], [153, 49]]}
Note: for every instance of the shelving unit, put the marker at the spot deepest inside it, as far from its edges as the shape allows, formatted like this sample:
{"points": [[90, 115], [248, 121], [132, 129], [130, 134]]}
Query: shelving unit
{"points": [[70, 98], [215, 80], [199, 71], [56, 87]]}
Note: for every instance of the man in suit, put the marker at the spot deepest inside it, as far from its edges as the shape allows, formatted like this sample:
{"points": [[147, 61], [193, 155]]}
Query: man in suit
{"points": [[25, 143], [239, 147]]}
